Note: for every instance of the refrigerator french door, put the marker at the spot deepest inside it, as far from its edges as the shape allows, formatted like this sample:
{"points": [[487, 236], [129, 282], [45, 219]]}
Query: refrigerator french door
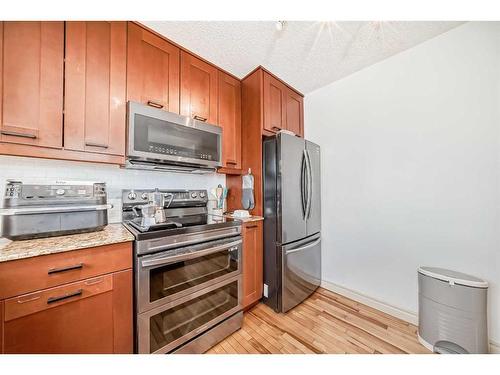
{"points": [[292, 209]]}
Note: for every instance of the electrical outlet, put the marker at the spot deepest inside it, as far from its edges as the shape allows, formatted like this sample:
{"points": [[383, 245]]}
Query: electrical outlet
{"points": [[266, 291]]}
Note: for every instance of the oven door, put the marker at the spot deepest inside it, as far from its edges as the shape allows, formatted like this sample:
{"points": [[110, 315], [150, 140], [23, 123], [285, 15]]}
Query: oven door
{"points": [[169, 275], [156, 136], [164, 328]]}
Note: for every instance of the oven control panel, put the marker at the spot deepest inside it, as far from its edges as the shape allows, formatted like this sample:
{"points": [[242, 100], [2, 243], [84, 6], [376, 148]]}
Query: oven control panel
{"points": [[181, 198]]}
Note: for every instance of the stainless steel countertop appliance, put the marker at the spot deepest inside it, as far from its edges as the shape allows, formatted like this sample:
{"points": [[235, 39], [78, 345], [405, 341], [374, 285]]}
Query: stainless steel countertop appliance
{"points": [[187, 273], [165, 141], [33, 209], [292, 212]]}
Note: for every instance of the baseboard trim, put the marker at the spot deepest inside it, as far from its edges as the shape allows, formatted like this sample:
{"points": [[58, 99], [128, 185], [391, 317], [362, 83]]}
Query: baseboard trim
{"points": [[407, 316], [494, 347]]}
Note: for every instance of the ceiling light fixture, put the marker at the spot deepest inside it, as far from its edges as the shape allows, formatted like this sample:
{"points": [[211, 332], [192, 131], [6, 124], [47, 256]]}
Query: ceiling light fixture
{"points": [[280, 25]]}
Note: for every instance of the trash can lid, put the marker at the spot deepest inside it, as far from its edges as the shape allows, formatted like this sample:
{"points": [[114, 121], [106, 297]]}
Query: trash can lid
{"points": [[453, 277]]}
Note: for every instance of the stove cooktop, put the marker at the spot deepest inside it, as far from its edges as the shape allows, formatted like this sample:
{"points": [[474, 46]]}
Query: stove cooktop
{"points": [[179, 225]]}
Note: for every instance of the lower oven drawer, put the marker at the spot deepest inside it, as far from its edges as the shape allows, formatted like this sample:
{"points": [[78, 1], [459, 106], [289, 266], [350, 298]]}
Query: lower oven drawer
{"points": [[165, 328], [167, 276]]}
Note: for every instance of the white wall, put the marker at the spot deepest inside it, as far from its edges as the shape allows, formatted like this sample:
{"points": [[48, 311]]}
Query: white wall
{"points": [[410, 167], [115, 177]]}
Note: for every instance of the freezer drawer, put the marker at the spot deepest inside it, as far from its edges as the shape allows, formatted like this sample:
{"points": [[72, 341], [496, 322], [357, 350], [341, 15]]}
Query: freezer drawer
{"points": [[301, 271]]}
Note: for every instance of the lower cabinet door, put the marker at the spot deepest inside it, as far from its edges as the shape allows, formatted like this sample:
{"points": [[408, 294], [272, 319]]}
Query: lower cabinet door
{"points": [[1, 327], [252, 263], [75, 318]]}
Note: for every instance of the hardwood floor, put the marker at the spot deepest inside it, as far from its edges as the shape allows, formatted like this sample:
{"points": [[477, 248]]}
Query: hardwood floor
{"points": [[325, 323]]}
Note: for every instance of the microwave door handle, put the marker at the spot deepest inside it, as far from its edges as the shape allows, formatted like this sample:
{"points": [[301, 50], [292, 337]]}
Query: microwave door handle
{"points": [[168, 259]]}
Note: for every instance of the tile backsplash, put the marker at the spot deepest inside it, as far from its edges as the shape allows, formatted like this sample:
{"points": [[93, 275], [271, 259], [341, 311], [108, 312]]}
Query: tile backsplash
{"points": [[116, 178]]}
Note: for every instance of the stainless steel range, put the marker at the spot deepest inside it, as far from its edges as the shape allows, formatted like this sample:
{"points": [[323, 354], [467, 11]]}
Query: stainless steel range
{"points": [[187, 271]]}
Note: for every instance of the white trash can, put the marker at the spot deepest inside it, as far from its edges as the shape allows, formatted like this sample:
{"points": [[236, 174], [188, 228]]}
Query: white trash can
{"points": [[452, 311]]}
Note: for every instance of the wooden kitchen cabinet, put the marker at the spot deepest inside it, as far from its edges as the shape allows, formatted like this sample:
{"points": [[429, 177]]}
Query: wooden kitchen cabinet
{"points": [[31, 83], [71, 319], [89, 310], [1, 327], [274, 104], [95, 84], [152, 69], [283, 107], [253, 259], [267, 106], [230, 120], [198, 88], [294, 104]]}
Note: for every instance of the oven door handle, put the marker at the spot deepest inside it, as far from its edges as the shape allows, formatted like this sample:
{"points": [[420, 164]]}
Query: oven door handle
{"points": [[181, 257]]}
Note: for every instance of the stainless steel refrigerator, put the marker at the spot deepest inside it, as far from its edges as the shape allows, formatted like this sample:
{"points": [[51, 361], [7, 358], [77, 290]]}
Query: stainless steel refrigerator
{"points": [[292, 211]]}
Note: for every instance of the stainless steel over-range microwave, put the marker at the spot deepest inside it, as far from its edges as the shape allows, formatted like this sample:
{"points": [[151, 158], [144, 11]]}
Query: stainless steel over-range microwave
{"points": [[162, 140]]}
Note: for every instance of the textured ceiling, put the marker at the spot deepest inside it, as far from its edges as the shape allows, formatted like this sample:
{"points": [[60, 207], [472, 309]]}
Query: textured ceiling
{"points": [[307, 55]]}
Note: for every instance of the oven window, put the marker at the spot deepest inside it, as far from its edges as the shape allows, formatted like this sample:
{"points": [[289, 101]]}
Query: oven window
{"points": [[180, 320], [173, 278], [163, 137]]}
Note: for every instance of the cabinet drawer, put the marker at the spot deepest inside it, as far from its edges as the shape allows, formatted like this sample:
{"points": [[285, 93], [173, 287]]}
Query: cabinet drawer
{"points": [[74, 318], [37, 302], [31, 274]]}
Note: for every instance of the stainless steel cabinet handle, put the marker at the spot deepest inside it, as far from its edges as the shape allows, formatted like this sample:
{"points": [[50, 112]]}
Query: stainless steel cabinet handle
{"points": [[304, 247], [92, 144], [177, 258], [17, 134], [78, 266], [65, 296], [154, 104], [199, 118]]}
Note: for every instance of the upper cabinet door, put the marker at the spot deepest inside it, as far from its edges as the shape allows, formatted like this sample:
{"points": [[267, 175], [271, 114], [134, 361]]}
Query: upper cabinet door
{"points": [[198, 89], [230, 119], [152, 70], [274, 104], [294, 112], [95, 84], [31, 83]]}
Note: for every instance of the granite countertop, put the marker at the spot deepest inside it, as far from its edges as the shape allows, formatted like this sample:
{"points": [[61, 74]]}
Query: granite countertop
{"points": [[245, 219], [112, 233]]}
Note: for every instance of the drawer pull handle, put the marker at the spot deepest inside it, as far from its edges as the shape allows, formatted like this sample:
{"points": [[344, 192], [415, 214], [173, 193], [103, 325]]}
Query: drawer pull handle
{"points": [[17, 134], [65, 296], [252, 226], [199, 118], [92, 144], [233, 162], [154, 104], [64, 269]]}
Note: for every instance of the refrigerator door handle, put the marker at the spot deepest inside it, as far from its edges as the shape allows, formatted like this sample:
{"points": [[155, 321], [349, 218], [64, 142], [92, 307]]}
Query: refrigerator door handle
{"points": [[312, 244], [309, 185], [303, 171]]}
